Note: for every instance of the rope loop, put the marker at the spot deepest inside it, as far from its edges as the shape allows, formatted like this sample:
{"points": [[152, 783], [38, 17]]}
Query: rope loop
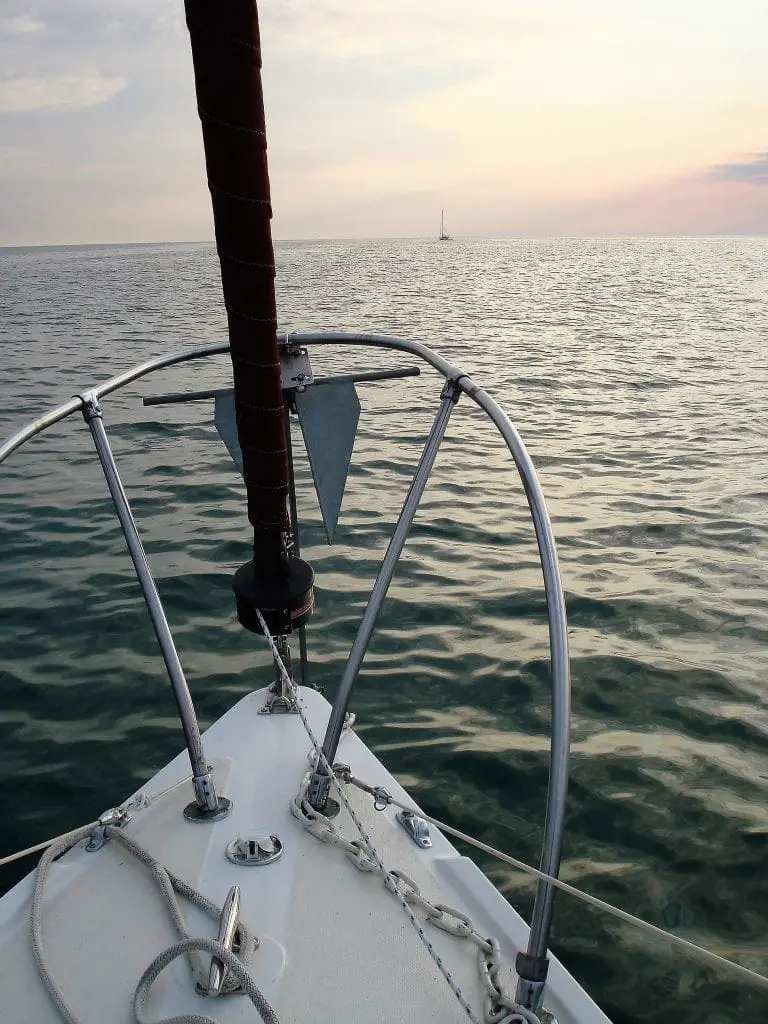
{"points": [[184, 948], [237, 979]]}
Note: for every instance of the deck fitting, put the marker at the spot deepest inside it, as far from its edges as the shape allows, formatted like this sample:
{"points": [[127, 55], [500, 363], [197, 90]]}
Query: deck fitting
{"points": [[194, 812], [255, 849]]}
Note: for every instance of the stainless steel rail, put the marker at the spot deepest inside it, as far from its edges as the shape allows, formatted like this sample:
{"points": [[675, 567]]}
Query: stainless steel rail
{"points": [[528, 992], [207, 806], [113, 384], [320, 785]]}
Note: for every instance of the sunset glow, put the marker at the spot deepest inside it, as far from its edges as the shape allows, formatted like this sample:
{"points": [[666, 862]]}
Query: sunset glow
{"points": [[519, 118]]}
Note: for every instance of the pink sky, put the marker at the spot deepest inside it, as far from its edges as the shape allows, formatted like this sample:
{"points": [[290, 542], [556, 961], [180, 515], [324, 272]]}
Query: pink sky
{"points": [[519, 117]]}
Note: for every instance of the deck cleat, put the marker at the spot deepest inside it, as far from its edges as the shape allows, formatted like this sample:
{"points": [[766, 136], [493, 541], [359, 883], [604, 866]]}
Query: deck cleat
{"points": [[416, 828], [255, 849]]}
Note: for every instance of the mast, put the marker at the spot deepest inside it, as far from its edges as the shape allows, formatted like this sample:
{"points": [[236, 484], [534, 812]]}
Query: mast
{"points": [[226, 54]]}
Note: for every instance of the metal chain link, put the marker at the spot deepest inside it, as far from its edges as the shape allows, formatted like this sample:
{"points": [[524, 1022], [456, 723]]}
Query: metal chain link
{"points": [[499, 1006], [367, 857]]}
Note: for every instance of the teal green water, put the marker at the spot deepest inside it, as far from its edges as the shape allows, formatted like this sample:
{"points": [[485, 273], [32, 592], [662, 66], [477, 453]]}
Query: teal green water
{"points": [[636, 371]]}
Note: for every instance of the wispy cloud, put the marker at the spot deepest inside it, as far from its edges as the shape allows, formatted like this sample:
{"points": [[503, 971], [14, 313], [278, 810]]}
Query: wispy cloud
{"points": [[516, 116], [57, 93], [431, 32], [20, 26], [750, 172]]}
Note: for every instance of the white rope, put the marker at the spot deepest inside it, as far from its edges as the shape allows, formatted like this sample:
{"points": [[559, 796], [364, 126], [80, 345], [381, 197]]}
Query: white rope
{"points": [[700, 952], [170, 885], [38, 950], [187, 946], [372, 852]]}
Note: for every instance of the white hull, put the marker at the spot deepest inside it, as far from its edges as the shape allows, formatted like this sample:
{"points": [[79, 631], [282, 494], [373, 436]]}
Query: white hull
{"points": [[335, 945]]}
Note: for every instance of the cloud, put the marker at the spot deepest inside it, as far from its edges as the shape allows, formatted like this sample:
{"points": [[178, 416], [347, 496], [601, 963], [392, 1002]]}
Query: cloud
{"points": [[430, 32], [57, 92], [522, 117], [750, 172], [20, 26]]}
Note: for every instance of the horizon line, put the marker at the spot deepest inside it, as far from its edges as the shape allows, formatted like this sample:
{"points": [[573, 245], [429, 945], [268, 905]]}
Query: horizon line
{"points": [[396, 238]]}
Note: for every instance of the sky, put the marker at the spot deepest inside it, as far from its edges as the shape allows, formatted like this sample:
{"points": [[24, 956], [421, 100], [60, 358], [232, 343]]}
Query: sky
{"points": [[518, 117]]}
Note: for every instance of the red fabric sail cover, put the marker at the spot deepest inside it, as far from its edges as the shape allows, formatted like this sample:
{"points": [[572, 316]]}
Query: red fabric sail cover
{"points": [[226, 54]]}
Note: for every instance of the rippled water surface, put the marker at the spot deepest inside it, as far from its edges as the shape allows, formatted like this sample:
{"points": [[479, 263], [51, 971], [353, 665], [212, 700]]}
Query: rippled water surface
{"points": [[637, 373]]}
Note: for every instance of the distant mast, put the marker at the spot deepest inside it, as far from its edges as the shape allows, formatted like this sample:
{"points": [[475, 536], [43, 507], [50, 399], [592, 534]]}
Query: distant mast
{"points": [[444, 236]]}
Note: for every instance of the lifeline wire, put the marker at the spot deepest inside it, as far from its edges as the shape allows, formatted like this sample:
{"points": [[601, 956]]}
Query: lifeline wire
{"points": [[694, 950], [137, 801], [713, 959]]}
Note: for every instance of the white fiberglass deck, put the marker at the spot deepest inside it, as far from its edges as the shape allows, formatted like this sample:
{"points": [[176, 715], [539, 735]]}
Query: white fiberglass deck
{"points": [[335, 945]]}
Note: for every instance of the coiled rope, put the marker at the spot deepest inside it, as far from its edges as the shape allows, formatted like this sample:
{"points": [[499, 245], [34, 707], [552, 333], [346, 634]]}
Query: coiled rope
{"points": [[169, 885], [60, 844]]}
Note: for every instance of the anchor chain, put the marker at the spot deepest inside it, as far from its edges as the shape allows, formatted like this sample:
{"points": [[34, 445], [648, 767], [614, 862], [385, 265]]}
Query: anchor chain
{"points": [[499, 1006], [365, 857]]}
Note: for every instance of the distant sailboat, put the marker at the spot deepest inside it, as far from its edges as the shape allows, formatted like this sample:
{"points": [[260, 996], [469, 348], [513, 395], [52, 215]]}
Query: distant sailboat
{"points": [[444, 236]]}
